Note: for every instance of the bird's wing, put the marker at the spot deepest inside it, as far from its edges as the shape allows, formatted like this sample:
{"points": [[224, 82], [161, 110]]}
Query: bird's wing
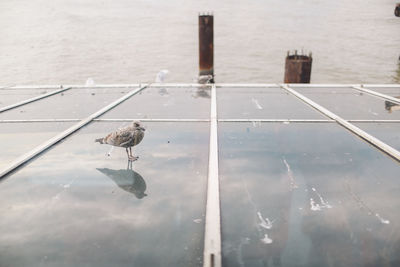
{"points": [[119, 137]]}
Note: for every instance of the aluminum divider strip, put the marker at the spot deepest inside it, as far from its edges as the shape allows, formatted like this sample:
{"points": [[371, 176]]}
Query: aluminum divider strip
{"points": [[255, 85], [364, 135], [276, 120], [39, 120], [308, 85], [200, 120], [212, 237], [30, 100], [51, 142], [380, 95], [387, 85], [153, 120]]}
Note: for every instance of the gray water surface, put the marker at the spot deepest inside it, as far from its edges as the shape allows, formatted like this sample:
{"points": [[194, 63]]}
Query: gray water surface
{"points": [[121, 41]]}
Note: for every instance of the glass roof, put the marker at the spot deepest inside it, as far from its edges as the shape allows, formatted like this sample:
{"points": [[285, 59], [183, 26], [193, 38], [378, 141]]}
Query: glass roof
{"points": [[73, 103], [12, 96], [296, 187], [392, 91], [262, 103], [304, 194], [18, 138], [165, 103], [387, 132], [350, 104], [82, 206]]}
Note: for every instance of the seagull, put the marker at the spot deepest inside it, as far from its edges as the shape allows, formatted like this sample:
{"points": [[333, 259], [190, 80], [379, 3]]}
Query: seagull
{"points": [[126, 137]]}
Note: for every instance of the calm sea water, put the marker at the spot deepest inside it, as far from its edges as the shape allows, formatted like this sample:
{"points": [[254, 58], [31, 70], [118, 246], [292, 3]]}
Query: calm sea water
{"points": [[129, 41]]}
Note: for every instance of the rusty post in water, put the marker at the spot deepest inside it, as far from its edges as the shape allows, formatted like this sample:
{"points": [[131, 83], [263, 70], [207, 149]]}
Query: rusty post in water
{"points": [[298, 68], [206, 45], [397, 10]]}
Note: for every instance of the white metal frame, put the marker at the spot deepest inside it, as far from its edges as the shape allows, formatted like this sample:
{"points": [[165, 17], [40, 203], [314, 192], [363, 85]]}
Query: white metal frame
{"points": [[212, 236]]}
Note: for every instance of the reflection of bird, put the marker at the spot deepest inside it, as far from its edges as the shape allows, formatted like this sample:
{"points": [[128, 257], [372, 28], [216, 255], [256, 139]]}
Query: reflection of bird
{"points": [[126, 137], [128, 180]]}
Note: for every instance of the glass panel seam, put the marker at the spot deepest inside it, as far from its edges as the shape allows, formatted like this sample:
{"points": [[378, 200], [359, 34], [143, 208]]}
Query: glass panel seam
{"points": [[51, 142], [395, 154], [212, 236], [380, 95], [33, 99]]}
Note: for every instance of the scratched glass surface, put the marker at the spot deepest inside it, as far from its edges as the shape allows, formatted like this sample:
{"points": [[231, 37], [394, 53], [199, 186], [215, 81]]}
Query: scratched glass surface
{"points": [[262, 103], [165, 103], [391, 91], [77, 206], [70, 104], [386, 132], [12, 96], [306, 195], [350, 104], [17, 139]]}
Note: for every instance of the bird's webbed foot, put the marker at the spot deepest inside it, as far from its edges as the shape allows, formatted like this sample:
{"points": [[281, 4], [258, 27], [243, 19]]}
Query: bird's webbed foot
{"points": [[132, 158]]}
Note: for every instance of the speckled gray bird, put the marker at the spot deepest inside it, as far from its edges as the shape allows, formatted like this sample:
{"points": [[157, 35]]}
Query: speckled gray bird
{"points": [[125, 137]]}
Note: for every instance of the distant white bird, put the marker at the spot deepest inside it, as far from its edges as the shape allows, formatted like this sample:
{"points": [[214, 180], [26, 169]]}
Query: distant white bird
{"points": [[89, 82], [161, 75], [203, 79], [126, 137]]}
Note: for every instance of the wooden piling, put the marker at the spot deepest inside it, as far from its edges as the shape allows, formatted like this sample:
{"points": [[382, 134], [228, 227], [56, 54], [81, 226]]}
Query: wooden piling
{"points": [[206, 45], [298, 68], [397, 10]]}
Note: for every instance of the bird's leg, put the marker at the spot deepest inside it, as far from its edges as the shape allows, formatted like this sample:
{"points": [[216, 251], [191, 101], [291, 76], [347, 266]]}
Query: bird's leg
{"points": [[129, 167], [130, 156]]}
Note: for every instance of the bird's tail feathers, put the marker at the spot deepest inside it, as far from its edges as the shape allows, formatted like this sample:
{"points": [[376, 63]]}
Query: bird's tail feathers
{"points": [[100, 140]]}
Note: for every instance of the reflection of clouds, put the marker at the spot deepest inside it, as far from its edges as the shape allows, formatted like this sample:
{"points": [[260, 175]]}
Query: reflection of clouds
{"points": [[101, 221], [321, 157]]}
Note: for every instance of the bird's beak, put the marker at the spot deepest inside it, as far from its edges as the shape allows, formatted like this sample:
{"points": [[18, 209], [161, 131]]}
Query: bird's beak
{"points": [[143, 129]]}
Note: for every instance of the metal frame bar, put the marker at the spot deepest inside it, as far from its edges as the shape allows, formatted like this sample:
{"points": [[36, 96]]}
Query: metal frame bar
{"points": [[276, 120], [18, 87], [294, 85], [364, 135], [200, 120], [51, 142], [212, 237], [393, 85], [377, 94], [152, 120], [39, 120], [33, 99], [238, 85]]}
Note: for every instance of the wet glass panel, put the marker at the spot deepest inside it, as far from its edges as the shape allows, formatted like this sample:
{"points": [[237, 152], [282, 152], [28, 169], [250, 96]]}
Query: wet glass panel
{"points": [[81, 204], [12, 96], [262, 103], [386, 132], [17, 139], [71, 104], [391, 91], [306, 195], [350, 104], [165, 103]]}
